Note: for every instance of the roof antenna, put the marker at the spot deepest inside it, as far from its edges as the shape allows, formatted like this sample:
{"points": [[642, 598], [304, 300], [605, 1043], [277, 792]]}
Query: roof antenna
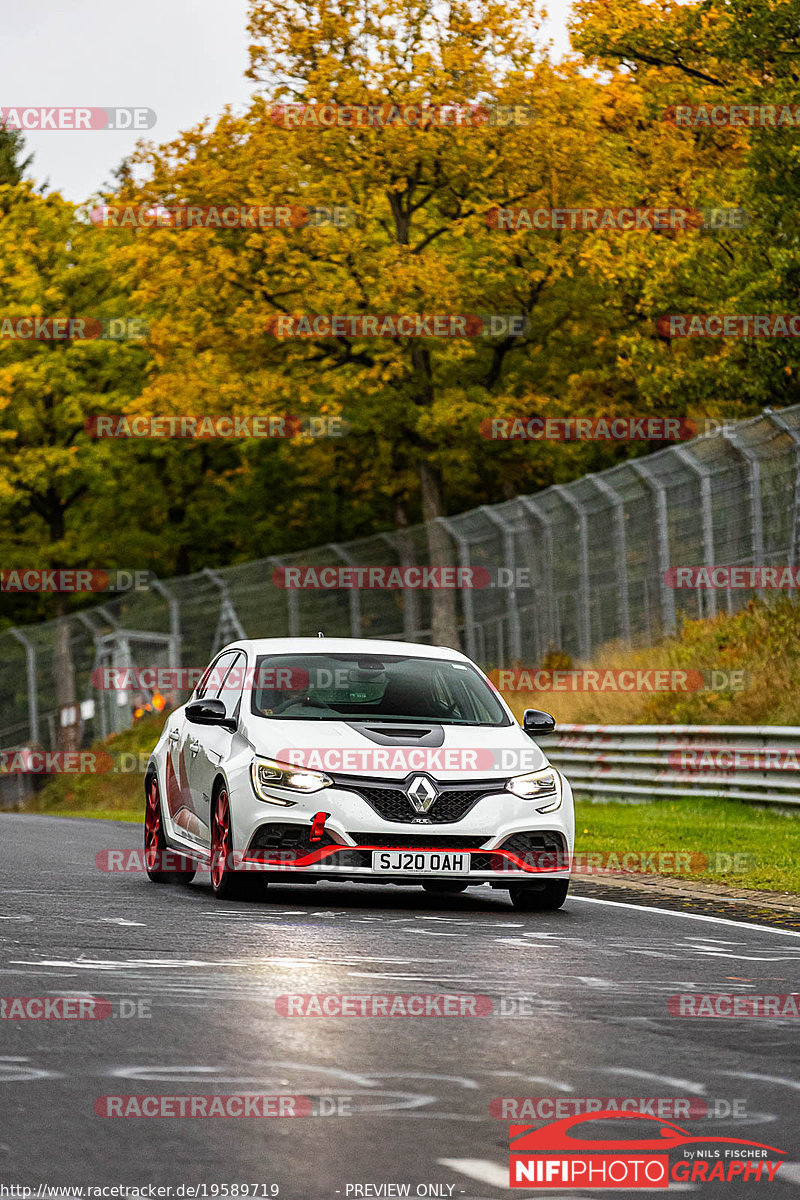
{"points": [[320, 634]]}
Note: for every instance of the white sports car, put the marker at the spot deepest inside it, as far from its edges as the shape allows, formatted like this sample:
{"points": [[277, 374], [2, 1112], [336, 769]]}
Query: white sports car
{"points": [[306, 759]]}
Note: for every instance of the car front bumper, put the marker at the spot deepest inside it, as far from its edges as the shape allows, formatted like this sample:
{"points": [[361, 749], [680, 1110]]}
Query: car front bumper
{"points": [[276, 839]]}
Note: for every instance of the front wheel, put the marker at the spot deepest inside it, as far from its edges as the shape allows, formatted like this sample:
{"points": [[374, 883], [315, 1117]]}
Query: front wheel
{"points": [[157, 854], [548, 896], [228, 884]]}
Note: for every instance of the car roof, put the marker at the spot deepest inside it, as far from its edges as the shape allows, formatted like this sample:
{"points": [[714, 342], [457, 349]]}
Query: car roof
{"points": [[314, 645]]}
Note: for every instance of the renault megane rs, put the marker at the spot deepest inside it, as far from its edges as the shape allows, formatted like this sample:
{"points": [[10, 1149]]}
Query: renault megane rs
{"points": [[306, 759]]}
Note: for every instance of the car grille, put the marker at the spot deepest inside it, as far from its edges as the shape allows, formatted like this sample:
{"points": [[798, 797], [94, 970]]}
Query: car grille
{"points": [[414, 841], [452, 803]]}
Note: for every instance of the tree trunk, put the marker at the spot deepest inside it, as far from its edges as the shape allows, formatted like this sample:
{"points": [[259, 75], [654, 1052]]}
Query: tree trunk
{"points": [[440, 554]]}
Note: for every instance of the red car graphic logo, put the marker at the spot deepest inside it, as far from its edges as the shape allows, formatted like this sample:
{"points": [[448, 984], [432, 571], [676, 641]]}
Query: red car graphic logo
{"points": [[556, 1137]]}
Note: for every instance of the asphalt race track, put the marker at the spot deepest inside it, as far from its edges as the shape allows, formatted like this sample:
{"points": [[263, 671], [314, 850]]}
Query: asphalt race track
{"points": [[411, 1095]]}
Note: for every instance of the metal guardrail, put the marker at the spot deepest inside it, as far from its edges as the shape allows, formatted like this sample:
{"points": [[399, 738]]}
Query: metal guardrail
{"points": [[735, 762]]}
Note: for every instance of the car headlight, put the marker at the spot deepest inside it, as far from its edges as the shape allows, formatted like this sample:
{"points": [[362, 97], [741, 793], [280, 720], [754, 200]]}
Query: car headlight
{"points": [[266, 773], [538, 785]]}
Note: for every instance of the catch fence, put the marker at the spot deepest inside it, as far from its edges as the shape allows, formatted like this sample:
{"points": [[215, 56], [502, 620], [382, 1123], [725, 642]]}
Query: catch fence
{"points": [[568, 568]]}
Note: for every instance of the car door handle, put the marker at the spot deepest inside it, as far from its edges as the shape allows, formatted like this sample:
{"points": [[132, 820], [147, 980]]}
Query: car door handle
{"points": [[195, 747], [173, 735]]}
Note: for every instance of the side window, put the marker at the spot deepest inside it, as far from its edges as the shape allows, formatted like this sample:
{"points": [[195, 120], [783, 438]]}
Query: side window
{"points": [[230, 689], [209, 685]]}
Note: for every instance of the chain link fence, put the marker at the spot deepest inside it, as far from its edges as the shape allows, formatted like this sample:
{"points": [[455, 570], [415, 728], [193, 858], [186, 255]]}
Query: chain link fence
{"points": [[570, 568]]}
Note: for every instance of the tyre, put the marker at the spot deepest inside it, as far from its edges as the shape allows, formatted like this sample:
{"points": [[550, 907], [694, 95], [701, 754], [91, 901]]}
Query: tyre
{"points": [[550, 895], [439, 888], [155, 842], [226, 883]]}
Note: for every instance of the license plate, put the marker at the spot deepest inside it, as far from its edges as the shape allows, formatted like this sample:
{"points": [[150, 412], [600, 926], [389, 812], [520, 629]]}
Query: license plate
{"points": [[423, 862]]}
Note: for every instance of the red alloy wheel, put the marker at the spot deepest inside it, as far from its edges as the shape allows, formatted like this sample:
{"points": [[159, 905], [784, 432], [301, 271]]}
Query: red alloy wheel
{"points": [[220, 838], [157, 854], [152, 826]]}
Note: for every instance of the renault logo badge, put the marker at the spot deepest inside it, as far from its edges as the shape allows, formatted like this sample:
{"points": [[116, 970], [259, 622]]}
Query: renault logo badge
{"points": [[421, 793]]}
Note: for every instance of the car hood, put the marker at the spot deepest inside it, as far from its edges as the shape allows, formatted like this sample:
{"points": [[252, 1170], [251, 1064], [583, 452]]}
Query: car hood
{"points": [[338, 747]]}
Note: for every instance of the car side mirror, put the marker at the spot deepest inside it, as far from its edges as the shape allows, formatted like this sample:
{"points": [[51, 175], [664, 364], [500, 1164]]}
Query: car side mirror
{"points": [[536, 723], [209, 712]]}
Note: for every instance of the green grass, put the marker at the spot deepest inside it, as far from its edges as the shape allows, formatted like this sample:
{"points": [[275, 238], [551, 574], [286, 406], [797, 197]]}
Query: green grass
{"points": [[770, 839], [115, 794]]}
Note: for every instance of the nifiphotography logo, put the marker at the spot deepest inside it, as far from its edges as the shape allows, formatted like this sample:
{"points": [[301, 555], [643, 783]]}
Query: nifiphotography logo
{"points": [[558, 1155]]}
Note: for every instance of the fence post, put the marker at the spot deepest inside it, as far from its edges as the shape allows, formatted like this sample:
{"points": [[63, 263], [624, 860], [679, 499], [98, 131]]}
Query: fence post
{"points": [[550, 631], [466, 594], [228, 619], [704, 473], [98, 663], [354, 599], [785, 427], [669, 625], [406, 559], [33, 695], [754, 474], [512, 607], [174, 622], [607, 489], [585, 620], [292, 603]]}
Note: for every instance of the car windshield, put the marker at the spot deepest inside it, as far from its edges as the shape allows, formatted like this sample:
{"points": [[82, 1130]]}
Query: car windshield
{"points": [[359, 687]]}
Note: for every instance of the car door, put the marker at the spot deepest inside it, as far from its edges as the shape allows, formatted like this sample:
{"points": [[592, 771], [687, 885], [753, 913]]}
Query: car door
{"points": [[209, 745], [191, 817]]}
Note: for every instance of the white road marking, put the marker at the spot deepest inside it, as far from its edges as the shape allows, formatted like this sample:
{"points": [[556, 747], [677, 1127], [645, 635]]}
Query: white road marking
{"points": [[480, 1169], [790, 1083], [681, 1085], [671, 912]]}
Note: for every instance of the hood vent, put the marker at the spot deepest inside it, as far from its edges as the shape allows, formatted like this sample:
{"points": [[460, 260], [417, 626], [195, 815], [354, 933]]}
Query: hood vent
{"points": [[401, 735]]}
